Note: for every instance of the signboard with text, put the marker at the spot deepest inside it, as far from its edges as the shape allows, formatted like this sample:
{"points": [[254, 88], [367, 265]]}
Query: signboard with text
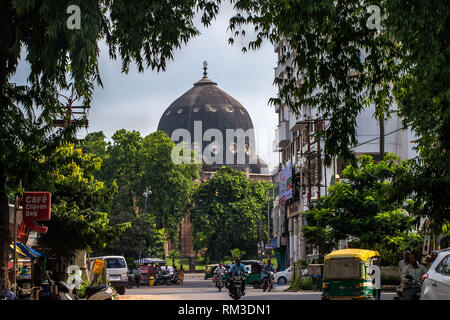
{"points": [[285, 183], [98, 266], [36, 207]]}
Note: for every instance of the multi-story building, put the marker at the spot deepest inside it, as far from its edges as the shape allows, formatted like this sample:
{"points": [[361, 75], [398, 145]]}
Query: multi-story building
{"points": [[302, 152]]}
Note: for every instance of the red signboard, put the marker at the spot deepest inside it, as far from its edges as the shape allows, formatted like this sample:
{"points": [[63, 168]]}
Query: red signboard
{"points": [[36, 207]]}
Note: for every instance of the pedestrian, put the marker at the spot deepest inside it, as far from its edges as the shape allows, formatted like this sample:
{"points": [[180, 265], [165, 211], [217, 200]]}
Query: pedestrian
{"points": [[181, 274], [413, 269], [175, 274], [138, 276], [24, 271], [433, 255], [405, 261]]}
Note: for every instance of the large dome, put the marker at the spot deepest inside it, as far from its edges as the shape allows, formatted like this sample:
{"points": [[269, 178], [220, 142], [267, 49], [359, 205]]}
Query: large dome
{"points": [[206, 106]]}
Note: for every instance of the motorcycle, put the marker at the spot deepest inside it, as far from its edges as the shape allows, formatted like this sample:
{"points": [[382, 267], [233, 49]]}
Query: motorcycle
{"points": [[268, 282], [131, 281], [236, 289], [98, 292], [175, 280], [163, 278], [220, 281], [411, 292]]}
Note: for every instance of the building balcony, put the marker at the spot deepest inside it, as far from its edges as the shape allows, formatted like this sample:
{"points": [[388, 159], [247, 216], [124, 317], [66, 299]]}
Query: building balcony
{"points": [[282, 135], [306, 115]]}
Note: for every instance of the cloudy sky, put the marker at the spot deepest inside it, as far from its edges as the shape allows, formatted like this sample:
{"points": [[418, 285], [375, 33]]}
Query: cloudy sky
{"points": [[136, 101]]}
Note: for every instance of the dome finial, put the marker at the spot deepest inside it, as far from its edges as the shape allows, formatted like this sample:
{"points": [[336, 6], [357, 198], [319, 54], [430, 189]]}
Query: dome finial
{"points": [[205, 67]]}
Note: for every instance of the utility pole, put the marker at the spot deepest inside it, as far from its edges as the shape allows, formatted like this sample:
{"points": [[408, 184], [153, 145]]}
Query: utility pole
{"points": [[67, 117], [16, 207], [382, 138]]}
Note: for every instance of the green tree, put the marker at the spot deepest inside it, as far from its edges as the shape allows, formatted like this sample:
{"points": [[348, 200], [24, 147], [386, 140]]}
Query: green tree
{"points": [[363, 211], [36, 32], [136, 163], [174, 254], [236, 253], [143, 238], [344, 57], [172, 184], [79, 203], [228, 209]]}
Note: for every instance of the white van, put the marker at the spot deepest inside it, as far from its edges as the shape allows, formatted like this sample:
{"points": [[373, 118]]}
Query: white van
{"points": [[116, 271]]}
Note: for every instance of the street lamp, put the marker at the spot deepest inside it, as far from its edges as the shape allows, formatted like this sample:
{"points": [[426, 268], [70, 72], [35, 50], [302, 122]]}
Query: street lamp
{"points": [[146, 193]]}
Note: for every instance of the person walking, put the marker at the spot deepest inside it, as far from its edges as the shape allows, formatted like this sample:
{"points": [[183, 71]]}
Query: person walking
{"points": [[181, 274], [405, 261], [175, 276]]}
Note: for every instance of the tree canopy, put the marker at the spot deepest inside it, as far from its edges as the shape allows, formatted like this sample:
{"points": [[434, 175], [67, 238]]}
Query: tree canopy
{"points": [[361, 209], [342, 56], [136, 163], [145, 33], [79, 204]]}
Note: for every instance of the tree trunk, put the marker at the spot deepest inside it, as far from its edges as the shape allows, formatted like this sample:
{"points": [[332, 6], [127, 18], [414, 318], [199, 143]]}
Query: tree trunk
{"points": [[7, 36], [4, 234]]}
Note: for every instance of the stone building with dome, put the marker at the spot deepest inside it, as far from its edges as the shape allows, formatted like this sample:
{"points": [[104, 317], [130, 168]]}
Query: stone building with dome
{"points": [[219, 129]]}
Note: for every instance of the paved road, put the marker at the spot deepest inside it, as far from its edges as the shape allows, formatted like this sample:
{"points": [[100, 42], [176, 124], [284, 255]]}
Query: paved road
{"points": [[196, 288]]}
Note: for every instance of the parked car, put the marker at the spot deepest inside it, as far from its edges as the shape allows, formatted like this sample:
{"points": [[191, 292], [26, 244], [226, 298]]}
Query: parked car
{"points": [[116, 271], [436, 282], [285, 276]]}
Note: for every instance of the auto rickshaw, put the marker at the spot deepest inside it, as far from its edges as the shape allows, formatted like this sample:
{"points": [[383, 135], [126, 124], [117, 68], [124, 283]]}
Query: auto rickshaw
{"points": [[209, 271], [351, 274], [254, 268]]}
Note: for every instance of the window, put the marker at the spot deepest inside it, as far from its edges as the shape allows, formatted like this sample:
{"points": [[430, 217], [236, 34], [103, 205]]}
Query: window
{"points": [[342, 269], [115, 263], [444, 266], [233, 147]]}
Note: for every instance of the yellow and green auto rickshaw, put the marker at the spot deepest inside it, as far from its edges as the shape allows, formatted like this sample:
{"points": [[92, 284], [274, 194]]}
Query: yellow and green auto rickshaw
{"points": [[351, 274], [209, 271]]}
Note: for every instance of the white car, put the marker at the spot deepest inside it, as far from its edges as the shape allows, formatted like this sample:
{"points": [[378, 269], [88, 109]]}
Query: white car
{"points": [[436, 282], [285, 276], [116, 271]]}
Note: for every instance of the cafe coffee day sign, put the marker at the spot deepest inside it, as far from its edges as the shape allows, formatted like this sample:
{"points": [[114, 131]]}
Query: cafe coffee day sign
{"points": [[285, 183], [36, 207]]}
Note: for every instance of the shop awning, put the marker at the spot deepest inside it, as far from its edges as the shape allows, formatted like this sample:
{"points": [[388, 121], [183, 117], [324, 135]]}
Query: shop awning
{"points": [[26, 250], [150, 260], [17, 250]]}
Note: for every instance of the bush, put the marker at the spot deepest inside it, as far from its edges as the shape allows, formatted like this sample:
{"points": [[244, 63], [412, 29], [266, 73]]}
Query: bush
{"points": [[304, 284]]}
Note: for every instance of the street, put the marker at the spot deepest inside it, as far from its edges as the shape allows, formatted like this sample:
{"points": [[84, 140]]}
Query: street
{"points": [[196, 288]]}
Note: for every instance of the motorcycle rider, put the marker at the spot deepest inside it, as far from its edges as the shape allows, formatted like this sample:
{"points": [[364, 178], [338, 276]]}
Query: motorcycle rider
{"points": [[236, 267], [413, 269], [267, 268], [220, 270]]}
